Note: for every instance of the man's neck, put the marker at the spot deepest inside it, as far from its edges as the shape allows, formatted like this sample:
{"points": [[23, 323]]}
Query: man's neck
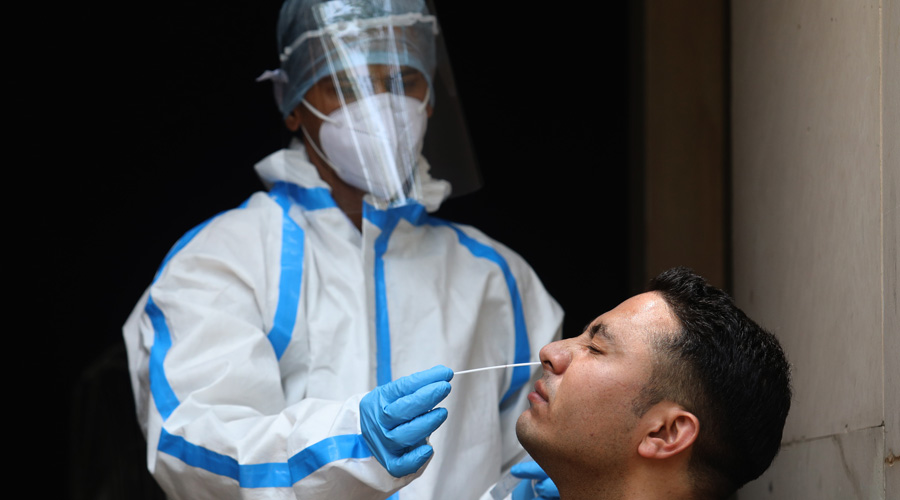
{"points": [[622, 492], [348, 198], [643, 484]]}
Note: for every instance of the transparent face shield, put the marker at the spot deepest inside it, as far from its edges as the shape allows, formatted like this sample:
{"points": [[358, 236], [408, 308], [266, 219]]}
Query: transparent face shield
{"points": [[367, 112]]}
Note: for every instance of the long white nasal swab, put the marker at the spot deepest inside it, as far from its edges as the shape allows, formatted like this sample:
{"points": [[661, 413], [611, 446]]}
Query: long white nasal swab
{"points": [[496, 367]]}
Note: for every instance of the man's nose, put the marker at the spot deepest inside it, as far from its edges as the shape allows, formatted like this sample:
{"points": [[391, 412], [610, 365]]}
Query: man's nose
{"points": [[555, 356]]}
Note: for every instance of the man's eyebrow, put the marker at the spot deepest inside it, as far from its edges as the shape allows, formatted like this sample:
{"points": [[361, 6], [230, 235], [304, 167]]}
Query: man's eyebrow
{"points": [[602, 330]]}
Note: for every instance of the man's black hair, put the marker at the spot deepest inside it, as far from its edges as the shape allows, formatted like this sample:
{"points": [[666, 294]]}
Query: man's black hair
{"points": [[726, 370]]}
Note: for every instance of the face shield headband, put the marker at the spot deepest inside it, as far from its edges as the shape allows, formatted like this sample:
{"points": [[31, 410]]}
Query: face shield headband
{"points": [[344, 42]]}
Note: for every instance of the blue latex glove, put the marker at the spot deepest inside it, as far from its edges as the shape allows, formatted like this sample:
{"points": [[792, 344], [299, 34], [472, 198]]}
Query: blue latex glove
{"points": [[543, 488], [397, 417]]}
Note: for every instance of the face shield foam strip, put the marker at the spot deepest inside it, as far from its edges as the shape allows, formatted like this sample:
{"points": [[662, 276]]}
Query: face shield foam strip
{"points": [[496, 367], [354, 27]]}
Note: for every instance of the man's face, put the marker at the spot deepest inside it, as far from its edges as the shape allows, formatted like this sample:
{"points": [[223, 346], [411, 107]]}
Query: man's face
{"points": [[582, 408]]}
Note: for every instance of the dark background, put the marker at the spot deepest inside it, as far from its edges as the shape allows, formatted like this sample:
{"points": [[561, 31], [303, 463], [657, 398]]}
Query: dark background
{"points": [[154, 122]]}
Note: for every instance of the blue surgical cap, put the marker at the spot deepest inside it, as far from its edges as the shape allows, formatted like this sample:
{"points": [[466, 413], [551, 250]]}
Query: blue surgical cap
{"points": [[307, 30]]}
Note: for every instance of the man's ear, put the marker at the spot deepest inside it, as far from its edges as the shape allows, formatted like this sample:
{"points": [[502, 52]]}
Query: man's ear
{"points": [[293, 121], [670, 430]]}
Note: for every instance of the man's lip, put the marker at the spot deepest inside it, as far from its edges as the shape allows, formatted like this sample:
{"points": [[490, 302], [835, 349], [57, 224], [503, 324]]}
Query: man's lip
{"points": [[539, 389]]}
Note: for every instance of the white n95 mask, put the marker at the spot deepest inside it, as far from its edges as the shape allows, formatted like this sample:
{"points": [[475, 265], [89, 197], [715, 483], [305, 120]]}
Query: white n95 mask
{"points": [[374, 143]]}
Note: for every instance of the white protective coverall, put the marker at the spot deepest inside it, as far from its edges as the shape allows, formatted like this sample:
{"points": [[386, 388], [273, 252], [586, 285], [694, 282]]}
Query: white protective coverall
{"points": [[266, 325]]}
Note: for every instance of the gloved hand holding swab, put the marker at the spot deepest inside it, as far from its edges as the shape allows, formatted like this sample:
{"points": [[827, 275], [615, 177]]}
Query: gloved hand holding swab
{"points": [[396, 419], [496, 367]]}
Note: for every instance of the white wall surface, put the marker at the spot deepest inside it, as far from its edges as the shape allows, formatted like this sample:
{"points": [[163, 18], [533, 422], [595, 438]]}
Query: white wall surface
{"points": [[815, 133]]}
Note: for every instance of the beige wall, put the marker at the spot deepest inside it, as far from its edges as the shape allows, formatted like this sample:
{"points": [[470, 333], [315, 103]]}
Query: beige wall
{"points": [[890, 59], [816, 211]]}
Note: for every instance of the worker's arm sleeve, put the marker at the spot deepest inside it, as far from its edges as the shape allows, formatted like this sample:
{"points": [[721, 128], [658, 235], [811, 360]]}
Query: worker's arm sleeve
{"points": [[208, 385]]}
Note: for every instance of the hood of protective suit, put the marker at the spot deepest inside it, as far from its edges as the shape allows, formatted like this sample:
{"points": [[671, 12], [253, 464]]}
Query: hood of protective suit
{"points": [[292, 165]]}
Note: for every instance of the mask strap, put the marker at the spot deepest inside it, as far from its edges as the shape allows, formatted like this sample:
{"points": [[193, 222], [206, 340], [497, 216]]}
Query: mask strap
{"points": [[318, 113], [316, 149], [425, 101]]}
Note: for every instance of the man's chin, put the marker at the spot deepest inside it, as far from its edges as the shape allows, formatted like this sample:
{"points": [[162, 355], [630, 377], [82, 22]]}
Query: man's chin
{"points": [[525, 430]]}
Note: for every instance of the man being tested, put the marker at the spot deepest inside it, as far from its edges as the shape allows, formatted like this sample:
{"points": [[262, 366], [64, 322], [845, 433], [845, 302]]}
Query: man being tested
{"points": [[297, 346], [673, 394]]}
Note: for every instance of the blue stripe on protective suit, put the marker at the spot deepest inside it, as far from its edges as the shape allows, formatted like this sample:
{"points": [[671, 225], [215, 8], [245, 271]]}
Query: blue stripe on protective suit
{"points": [[292, 258], [328, 450], [163, 395], [415, 214], [272, 474], [387, 221], [308, 198], [307, 461], [521, 374], [267, 475], [291, 275], [291, 263]]}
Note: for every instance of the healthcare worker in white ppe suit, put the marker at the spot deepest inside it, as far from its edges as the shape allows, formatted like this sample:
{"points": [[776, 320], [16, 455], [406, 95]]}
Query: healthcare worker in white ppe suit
{"points": [[302, 344]]}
